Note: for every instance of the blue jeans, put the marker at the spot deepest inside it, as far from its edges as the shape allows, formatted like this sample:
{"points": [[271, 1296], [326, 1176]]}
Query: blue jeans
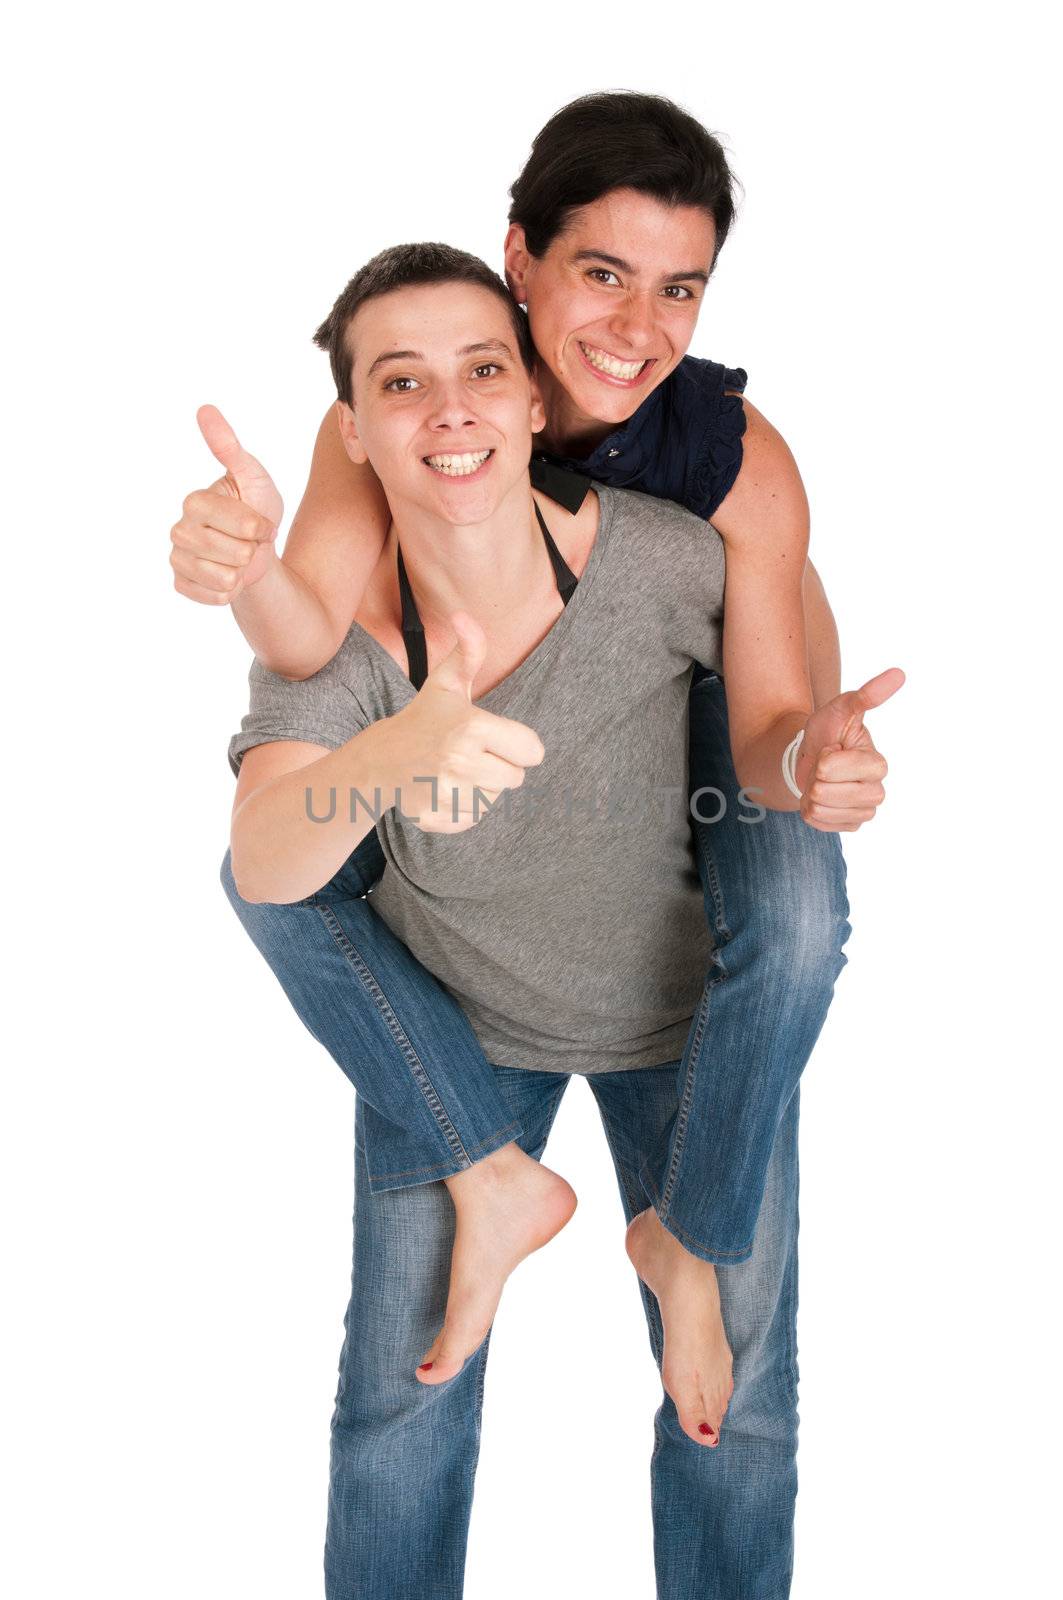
{"points": [[776, 903], [404, 1454], [711, 1141]]}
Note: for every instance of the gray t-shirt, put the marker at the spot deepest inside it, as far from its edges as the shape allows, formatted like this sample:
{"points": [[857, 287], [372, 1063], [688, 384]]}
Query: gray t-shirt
{"points": [[569, 922]]}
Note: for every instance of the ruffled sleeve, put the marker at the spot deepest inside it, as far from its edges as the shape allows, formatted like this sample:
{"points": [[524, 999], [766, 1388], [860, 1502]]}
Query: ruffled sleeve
{"points": [[718, 455]]}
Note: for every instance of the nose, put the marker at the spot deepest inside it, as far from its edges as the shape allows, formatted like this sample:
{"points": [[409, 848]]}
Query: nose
{"points": [[634, 321], [452, 409]]}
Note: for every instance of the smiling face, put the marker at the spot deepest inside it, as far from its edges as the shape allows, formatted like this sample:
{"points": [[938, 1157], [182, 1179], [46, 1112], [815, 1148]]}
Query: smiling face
{"points": [[613, 302], [444, 408]]}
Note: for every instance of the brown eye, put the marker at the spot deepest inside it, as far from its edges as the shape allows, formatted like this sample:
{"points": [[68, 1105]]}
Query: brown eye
{"points": [[394, 385]]}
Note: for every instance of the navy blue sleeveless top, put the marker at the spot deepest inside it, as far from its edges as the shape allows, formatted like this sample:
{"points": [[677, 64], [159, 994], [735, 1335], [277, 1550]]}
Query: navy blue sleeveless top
{"points": [[684, 443]]}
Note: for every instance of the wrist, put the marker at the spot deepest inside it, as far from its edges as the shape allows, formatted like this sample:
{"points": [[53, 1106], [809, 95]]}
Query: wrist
{"points": [[382, 762], [805, 765], [789, 760], [269, 582]]}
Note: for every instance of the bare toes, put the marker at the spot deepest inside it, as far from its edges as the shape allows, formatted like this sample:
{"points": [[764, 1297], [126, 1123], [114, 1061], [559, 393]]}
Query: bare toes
{"points": [[699, 1421], [447, 1356]]}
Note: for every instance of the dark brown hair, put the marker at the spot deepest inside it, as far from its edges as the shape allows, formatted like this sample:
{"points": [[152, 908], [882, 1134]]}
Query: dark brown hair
{"points": [[406, 266], [620, 140]]}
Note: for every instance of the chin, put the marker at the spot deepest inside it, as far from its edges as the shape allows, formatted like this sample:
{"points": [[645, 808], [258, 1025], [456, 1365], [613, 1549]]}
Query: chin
{"points": [[610, 408], [462, 508], [606, 404]]}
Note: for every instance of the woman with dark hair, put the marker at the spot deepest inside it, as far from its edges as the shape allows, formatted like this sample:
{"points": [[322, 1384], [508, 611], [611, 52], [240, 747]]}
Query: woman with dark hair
{"points": [[616, 223]]}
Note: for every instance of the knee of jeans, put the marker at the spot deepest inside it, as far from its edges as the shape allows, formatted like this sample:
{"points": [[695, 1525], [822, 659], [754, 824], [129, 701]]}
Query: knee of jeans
{"points": [[806, 925], [764, 1405], [764, 1402], [808, 942], [254, 912], [244, 909], [377, 1423], [228, 882], [385, 1406]]}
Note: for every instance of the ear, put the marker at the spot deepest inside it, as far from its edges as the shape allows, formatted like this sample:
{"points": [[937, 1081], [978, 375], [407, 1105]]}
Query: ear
{"points": [[538, 409], [349, 433], [517, 259]]}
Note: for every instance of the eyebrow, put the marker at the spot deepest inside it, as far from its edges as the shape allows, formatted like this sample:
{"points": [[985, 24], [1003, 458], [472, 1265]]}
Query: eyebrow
{"points": [[418, 355], [694, 275], [394, 355]]}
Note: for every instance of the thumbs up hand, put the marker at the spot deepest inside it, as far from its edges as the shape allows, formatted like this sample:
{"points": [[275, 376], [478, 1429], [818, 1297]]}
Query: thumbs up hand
{"points": [[223, 542], [839, 771], [472, 754]]}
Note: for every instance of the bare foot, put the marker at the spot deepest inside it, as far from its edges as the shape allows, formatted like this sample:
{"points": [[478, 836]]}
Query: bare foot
{"points": [[696, 1369], [506, 1206]]}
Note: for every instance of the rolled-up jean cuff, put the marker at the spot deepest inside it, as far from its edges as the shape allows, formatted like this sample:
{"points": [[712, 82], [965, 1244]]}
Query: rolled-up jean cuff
{"points": [[697, 1247], [381, 1181]]}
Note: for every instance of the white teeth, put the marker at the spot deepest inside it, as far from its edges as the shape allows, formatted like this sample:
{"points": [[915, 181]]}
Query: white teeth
{"points": [[458, 466], [609, 364]]}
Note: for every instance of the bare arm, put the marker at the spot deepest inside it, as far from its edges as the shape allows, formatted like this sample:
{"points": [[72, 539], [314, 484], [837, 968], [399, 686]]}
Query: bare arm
{"points": [[764, 525], [280, 853], [333, 545], [300, 808], [295, 610], [824, 650], [772, 595]]}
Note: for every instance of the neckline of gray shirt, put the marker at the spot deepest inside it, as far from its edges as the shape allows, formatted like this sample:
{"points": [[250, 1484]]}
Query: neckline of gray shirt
{"points": [[504, 692]]}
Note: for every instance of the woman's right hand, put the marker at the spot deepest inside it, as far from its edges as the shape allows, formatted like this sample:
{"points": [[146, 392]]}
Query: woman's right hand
{"points": [[224, 542], [443, 735]]}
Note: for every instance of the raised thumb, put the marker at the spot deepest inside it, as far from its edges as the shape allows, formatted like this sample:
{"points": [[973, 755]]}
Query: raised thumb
{"points": [[222, 442], [458, 670], [877, 690]]}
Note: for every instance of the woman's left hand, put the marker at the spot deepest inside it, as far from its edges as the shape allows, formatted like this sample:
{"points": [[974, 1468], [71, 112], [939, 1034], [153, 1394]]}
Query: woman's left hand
{"points": [[839, 771]]}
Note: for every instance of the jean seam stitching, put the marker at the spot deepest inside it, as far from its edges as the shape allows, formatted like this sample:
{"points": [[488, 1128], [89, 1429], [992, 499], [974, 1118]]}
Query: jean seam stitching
{"points": [[685, 1103], [722, 1257], [792, 1305], [715, 890], [416, 1065], [410, 1172], [656, 1322]]}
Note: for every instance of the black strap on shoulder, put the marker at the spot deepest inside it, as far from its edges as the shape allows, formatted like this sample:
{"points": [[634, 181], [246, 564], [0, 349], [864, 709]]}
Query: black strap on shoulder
{"points": [[569, 489], [412, 629], [566, 578]]}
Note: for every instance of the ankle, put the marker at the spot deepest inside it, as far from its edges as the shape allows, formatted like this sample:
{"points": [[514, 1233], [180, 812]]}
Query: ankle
{"points": [[490, 1172]]}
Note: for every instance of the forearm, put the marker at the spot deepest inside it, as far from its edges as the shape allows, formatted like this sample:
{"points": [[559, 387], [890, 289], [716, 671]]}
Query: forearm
{"points": [[291, 835], [337, 535], [758, 761], [298, 615], [759, 764], [285, 623], [765, 666]]}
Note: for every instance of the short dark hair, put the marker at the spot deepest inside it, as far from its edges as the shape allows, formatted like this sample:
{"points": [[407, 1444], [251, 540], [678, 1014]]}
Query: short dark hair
{"points": [[406, 266], [620, 140]]}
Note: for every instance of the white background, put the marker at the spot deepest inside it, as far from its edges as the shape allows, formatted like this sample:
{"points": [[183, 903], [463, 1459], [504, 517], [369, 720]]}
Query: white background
{"points": [[188, 190]]}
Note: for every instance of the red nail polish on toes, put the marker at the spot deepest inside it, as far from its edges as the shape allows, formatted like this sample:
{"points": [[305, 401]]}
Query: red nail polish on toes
{"points": [[425, 1366], [703, 1427]]}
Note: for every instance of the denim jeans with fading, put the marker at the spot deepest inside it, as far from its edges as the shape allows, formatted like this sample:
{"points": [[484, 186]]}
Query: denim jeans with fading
{"points": [[776, 903], [404, 1454]]}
